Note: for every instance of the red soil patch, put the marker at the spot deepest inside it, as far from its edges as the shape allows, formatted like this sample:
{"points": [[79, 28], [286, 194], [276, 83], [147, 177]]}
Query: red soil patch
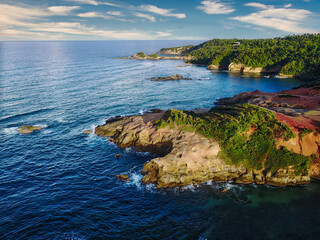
{"points": [[296, 123]]}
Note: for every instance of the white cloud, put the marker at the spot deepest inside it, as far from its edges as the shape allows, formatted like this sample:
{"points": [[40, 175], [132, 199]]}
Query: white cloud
{"points": [[30, 23], [90, 2], [13, 15], [89, 15], [146, 16], [115, 13], [283, 19], [215, 7], [109, 15], [62, 10], [161, 11], [257, 5], [93, 2], [288, 5]]}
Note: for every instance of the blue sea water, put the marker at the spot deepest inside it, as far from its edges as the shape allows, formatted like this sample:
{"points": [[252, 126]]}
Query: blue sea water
{"points": [[58, 183]]}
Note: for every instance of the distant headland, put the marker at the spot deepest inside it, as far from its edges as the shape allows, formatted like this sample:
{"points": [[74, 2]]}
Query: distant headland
{"points": [[291, 56]]}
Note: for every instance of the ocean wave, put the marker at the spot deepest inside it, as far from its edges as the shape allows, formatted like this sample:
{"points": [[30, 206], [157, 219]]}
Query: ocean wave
{"points": [[12, 117], [132, 151]]}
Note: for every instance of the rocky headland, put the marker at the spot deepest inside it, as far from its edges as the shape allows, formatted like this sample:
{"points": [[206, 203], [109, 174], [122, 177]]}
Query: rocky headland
{"points": [[254, 137]]}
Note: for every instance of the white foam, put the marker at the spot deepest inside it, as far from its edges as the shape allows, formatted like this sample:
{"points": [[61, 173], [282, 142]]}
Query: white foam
{"points": [[47, 131], [10, 131], [141, 112], [61, 120], [132, 151], [277, 76], [190, 187], [41, 125]]}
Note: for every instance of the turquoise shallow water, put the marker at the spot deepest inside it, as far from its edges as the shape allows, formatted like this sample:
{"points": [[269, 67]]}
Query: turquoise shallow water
{"points": [[59, 183]]}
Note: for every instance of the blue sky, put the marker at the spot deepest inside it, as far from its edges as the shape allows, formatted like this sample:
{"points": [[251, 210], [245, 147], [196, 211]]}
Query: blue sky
{"points": [[155, 19]]}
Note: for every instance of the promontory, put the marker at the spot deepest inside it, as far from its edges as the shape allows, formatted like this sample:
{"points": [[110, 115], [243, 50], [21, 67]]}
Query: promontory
{"points": [[253, 137]]}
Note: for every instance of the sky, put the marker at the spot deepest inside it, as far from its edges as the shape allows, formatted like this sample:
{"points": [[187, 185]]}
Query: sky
{"points": [[155, 19]]}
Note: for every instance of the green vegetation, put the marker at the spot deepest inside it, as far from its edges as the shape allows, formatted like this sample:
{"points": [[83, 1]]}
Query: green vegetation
{"points": [[297, 55], [176, 50], [246, 134], [141, 54], [153, 56], [304, 132]]}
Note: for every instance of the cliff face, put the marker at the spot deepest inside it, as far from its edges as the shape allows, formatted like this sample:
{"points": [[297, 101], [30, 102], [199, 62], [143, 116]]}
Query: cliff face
{"points": [[175, 50], [242, 68], [186, 157]]}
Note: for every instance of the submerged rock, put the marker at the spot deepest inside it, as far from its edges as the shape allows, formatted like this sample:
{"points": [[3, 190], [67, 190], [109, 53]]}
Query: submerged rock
{"points": [[28, 129]]}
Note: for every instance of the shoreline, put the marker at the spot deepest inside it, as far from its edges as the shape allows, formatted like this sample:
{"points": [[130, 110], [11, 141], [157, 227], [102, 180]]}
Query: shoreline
{"points": [[239, 69]]}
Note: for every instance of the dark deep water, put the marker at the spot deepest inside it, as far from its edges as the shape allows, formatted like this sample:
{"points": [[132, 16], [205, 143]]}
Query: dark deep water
{"points": [[59, 183]]}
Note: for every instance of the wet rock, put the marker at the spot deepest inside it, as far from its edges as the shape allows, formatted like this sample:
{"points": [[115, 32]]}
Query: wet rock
{"points": [[245, 178], [28, 129], [123, 177], [87, 131], [170, 78], [225, 190]]}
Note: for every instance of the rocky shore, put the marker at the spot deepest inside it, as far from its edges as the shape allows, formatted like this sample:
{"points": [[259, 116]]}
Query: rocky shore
{"points": [[186, 155], [232, 67]]}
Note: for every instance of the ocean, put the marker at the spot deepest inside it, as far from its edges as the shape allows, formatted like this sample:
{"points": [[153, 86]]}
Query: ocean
{"points": [[58, 183]]}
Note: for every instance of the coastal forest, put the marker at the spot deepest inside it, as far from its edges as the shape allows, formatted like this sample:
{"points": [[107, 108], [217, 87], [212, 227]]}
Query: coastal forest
{"points": [[296, 55]]}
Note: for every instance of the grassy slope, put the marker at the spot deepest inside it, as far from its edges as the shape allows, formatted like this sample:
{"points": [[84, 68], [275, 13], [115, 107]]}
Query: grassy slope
{"points": [[230, 125]]}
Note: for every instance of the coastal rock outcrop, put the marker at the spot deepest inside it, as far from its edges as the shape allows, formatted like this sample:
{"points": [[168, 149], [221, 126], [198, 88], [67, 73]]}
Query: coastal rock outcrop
{"points": [[186, 157], [28, 129]]}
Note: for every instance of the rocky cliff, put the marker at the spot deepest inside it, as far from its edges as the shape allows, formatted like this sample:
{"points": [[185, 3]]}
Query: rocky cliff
{"points": [[220, 145], [242, 68]]}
